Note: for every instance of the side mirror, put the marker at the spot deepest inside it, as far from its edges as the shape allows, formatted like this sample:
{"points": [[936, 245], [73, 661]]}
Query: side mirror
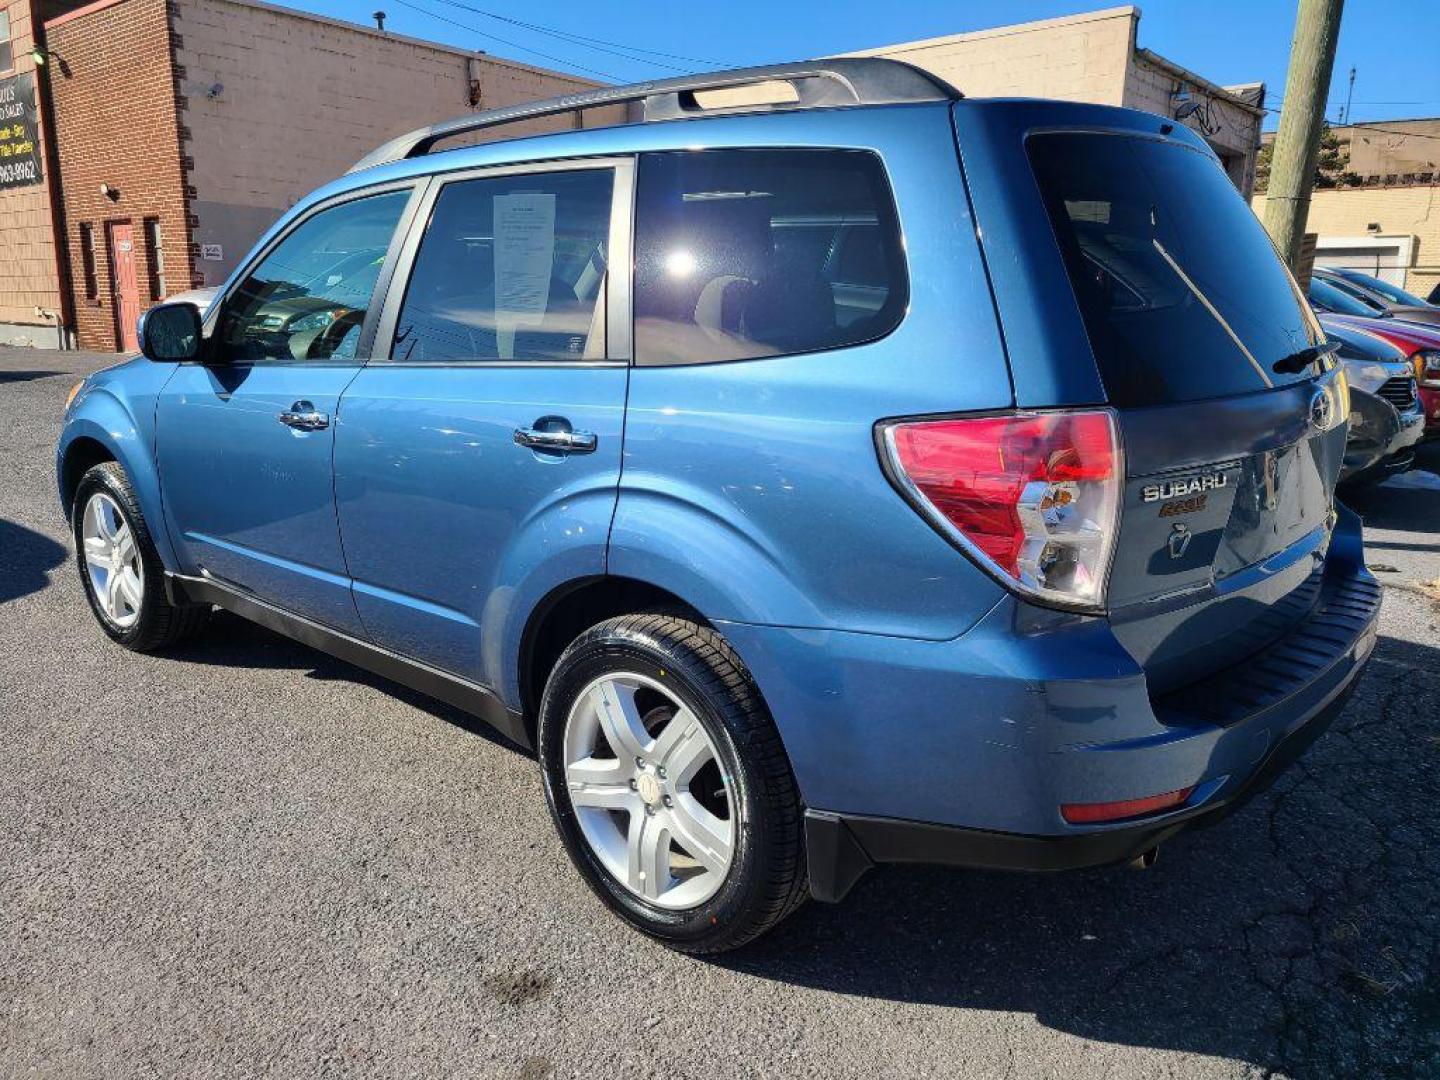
{"points": [[171, 332]]}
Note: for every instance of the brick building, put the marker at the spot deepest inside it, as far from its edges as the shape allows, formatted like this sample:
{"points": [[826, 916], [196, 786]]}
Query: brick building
{"points": [[169, 134]]}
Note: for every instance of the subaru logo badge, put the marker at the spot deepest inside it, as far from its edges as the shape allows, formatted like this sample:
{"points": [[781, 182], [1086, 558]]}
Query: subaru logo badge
{"points": [[1322, 410], [1179, 542]]}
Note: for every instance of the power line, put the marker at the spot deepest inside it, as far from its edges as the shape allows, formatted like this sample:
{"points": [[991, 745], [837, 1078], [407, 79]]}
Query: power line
{"points": [[1362, 125], [507, 41], [601, 43]]}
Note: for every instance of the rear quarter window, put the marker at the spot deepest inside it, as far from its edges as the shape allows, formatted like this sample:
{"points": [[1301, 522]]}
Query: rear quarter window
{"points": [[742, 254], [1182, 293]]}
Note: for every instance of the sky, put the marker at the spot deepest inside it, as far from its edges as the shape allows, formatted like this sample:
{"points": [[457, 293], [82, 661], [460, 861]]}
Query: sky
{"points": [[1226, 41]]}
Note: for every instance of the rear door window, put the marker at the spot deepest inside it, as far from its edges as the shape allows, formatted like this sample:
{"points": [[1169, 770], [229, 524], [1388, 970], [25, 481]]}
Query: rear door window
{"points": [[750, 253], [1181, 291], [511, 268]]}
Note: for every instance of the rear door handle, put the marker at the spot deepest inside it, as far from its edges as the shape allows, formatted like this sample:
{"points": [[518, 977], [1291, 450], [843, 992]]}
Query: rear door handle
{"points": [[562, 441], [302, 417]]}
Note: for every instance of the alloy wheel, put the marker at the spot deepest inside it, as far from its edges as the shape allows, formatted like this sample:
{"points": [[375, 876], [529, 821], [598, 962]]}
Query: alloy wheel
{"points": [[651, 795], [112, 561]]}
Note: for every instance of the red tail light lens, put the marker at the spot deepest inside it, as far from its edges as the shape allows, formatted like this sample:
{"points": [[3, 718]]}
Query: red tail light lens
{"points": [[1034, 496], [1093, 813]]}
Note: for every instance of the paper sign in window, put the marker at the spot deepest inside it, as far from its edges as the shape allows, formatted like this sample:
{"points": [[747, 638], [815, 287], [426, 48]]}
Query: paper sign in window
{"points": [[524, 259]]}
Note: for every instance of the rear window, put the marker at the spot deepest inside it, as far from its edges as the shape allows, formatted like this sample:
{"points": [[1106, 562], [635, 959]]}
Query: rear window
{"points": [[1181, 290], [749, 253]]}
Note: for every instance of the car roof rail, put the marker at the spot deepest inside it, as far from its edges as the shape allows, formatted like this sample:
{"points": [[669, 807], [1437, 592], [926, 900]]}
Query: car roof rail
{"points": [[817, 84]]}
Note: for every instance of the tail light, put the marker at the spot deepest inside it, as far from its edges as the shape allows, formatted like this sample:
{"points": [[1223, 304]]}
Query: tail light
{"points": [[1034, 497]]}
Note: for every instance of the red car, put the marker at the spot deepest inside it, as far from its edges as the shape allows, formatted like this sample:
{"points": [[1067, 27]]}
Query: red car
{"points": [[1420, 343]]}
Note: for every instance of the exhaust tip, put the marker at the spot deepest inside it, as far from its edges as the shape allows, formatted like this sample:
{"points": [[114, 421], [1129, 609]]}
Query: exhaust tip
{"points": [[1145, 860]]}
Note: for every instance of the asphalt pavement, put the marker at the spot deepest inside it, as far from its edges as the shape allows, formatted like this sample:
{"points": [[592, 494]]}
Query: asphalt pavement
{"points": [[245, 858]]}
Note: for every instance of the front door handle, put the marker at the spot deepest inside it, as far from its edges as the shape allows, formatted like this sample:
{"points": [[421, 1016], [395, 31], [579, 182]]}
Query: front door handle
{"points": [[302, 417], [556, 440]]}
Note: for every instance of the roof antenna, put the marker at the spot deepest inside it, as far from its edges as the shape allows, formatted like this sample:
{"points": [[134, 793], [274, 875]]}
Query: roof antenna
{"points": [[379, 18]]}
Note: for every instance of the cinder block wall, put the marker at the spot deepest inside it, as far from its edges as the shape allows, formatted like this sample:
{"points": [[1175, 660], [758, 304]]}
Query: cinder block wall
{"points": [[1075, 58], [277, 102], [1232, 129], [116, 124]]}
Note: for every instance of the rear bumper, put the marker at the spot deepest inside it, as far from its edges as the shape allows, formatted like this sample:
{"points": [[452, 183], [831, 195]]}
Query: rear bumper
{"points": [[963, 752], [842, 848]]}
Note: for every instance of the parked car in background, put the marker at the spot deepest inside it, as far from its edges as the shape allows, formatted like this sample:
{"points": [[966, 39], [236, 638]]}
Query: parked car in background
{"points": [[1420, 344], [1386, 420], [201, 297], [1380, 287], [1381, 295], [979, 514]]}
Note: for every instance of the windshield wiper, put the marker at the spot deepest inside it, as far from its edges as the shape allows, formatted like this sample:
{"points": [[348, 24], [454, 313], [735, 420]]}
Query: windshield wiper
{"points": [[1211, 308], [1302, 358]]}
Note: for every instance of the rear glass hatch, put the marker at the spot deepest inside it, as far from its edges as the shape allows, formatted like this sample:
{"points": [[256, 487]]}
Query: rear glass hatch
{"points": [[1156, 291]]}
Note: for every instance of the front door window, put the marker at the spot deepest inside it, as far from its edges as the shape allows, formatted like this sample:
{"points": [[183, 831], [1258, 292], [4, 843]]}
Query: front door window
{"points": [[308, 298]]}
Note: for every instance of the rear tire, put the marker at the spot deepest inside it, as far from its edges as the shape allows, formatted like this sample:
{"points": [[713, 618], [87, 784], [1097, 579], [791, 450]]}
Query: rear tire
{"points": [[718, 790], [123, 577]]}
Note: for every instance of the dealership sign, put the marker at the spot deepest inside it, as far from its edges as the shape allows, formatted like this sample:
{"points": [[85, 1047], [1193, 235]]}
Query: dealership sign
{"points": [[19, 145]]}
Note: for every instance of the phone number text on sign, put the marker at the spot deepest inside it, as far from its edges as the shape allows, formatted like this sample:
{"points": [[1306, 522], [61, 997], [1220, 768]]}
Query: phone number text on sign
{"points": [[22, 172], [19, 152]]}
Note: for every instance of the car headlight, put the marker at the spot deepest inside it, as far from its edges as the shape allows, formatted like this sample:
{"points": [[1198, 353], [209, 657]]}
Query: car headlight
{"points": [[1427, 368]]}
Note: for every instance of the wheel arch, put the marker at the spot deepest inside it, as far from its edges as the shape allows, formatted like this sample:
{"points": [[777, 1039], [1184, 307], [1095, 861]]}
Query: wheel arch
{"points": [[103, 429], [569, 610], [81, 455]]}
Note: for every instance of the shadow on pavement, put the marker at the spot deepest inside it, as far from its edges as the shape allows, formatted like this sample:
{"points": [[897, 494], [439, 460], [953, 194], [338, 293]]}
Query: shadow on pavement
{"points": [[26, 376], [26, 557], [1408, 501], [232, 642]]}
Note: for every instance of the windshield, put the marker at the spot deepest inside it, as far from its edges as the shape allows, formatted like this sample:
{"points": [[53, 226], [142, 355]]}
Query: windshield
{"points": [[1328, 298], [1393, 293], [1181, 291]]}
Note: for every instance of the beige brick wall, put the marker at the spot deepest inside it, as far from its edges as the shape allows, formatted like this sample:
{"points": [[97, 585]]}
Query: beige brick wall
{"points": [[1076, 58], [28, 277], [1398, 211], [303, 99]]}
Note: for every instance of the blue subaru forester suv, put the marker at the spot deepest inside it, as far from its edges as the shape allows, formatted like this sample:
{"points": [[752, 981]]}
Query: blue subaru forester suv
{"points": [[815, 468]]}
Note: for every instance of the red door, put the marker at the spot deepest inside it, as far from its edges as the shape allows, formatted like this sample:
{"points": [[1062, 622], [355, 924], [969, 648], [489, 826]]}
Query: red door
{"points": [[126, 285]]}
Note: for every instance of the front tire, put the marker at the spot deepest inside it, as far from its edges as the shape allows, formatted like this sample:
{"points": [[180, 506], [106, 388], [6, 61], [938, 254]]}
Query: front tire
{"points": [[669, 785], [120, 569]]}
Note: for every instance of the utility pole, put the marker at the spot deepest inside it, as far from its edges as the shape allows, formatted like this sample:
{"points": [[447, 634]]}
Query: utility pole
{"points": [[1349, 96], [1297, 143]]}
